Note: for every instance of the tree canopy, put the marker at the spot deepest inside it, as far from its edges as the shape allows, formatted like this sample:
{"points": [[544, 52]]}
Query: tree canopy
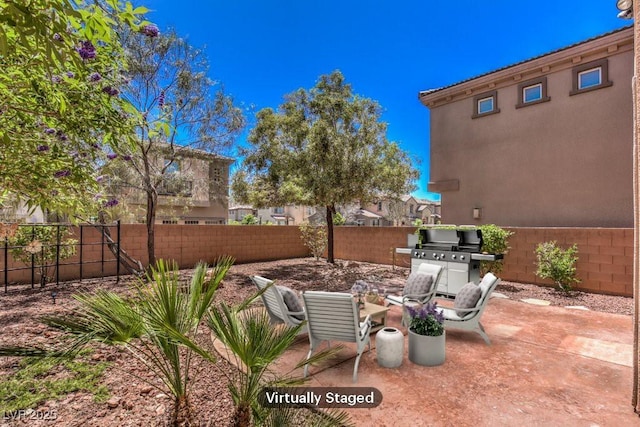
{"points": [[184, 116], [322, 147], [62, 66]]}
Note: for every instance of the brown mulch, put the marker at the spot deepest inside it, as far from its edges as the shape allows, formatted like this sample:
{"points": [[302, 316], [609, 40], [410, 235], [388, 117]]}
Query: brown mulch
{"points": [[134, 401]]}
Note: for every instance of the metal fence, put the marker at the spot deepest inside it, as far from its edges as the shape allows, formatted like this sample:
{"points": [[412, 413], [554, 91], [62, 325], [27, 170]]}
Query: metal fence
{"points": [[26, 251]]}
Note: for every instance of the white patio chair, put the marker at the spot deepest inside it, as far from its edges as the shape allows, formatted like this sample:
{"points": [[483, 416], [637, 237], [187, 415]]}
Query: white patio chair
{"points": [[277, 307], [471, 320], [334, 316], [416, 280]]}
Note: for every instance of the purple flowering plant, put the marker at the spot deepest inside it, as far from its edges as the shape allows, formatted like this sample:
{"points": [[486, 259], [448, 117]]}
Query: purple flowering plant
{"points": [[150, 30], [426, 320]]}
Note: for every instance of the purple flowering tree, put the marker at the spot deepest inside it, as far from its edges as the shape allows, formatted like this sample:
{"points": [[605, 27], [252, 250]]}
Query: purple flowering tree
{"points": [[53, 110], [182, 110]]}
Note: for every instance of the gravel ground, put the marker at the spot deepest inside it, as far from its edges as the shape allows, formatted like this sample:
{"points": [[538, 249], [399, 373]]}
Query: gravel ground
{"points": [[133, 399]]}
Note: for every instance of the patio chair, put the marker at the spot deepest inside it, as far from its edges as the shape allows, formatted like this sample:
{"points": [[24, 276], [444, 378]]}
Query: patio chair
{"points": [[420, 288], [469, 318], [282, 304], [334, 316]]}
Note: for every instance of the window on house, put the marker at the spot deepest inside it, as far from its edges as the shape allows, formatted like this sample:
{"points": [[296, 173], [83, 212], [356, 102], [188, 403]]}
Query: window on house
{"points": [[485, 104], [532, 92], [191, 222], [590, 76], [379, 206], [279, 210], [411, 209], [172, 167], [169, 221]]}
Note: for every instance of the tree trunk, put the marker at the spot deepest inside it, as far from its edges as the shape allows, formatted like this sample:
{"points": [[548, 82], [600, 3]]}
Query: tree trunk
{"points": [[330, 210], [242, 416], [182, 414], [152, 198], [636, 211]]}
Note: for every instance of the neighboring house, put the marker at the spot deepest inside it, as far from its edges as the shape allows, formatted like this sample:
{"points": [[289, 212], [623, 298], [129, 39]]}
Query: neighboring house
{"points": [[14, 211], [544, 142], [405, 211], [237, 213], [195, 191], [285, 215]]}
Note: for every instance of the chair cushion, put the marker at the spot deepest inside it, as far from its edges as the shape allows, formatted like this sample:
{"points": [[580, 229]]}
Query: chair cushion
{"points": [[418, 283], [467, 297], [486, 283], [291, 300]]}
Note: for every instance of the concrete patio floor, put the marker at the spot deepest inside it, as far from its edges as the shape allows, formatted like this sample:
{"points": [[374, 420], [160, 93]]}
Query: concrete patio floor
{"points": [[547, 366]]}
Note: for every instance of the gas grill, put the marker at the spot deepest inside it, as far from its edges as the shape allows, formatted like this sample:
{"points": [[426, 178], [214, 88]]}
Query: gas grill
{"points": [[457, 251]]}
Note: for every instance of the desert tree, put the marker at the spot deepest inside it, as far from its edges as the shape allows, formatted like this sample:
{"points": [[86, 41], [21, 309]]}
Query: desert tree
{"points": [[322, 147], [61, 63], [185, 117]]}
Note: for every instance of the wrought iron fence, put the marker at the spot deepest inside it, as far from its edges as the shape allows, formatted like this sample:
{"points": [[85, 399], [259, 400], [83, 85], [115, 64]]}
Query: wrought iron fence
{"points": [[31, 253]]}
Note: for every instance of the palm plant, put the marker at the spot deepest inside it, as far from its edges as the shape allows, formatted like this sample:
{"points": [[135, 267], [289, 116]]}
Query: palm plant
{"points": [[157, 325], [255, 344]]}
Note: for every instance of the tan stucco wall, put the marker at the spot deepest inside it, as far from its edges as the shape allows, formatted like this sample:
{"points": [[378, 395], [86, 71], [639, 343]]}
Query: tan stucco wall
{"points": [[566, 162]]}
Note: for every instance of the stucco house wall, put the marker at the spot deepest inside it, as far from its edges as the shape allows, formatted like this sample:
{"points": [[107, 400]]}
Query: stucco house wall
{"points": [[564, 162]]}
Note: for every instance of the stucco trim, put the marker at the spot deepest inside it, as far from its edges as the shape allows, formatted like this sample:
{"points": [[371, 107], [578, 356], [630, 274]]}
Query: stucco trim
{"points": [[445, 185]]}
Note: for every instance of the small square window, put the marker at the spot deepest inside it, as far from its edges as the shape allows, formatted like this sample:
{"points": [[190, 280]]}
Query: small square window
{"points": [[485, 104], [532, 92], [590, 78]]}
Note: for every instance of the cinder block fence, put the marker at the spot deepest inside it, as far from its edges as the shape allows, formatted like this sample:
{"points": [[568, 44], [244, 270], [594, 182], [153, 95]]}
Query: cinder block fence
{"points": [[605, 264]]}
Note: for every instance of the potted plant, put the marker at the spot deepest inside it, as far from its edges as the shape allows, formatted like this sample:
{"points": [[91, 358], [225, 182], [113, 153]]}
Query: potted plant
{"points": [[426, 335]]}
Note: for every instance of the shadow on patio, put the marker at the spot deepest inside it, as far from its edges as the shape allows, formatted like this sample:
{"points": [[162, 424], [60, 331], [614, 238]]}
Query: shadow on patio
{"points": [[546, 366]]}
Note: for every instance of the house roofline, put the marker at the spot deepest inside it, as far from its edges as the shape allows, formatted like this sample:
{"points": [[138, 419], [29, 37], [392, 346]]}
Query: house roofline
{"points": [[565, 57]]}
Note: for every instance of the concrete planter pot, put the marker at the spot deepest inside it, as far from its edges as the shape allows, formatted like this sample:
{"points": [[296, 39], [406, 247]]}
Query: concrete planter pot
{"points": [[389, 347], [425, 350]]}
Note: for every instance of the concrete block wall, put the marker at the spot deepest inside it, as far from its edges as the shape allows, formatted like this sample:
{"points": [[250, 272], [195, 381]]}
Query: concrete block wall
{"points": [[605, 265]]}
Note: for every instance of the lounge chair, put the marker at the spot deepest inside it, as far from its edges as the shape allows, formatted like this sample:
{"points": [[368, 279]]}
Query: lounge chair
{"points": [[469, 318], [420, 288], [282, 304], [334, 316]]}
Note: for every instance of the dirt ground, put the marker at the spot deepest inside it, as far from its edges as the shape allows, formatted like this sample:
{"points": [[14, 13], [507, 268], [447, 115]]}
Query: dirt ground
{"points": [[133, 402]]}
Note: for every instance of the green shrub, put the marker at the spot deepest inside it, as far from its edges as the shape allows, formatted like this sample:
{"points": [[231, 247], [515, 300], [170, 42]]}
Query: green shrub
{"points": [[557, 264], [495, 240], [339, 219], [44, 245], [249, 219], [315, 238]]}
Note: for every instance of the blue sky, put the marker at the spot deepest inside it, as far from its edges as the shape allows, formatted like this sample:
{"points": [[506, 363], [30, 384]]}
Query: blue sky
{"points": [[387, 50]]}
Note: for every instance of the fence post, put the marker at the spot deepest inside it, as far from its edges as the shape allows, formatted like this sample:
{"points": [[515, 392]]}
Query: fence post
{"points": [[33, 257], [6, 264], [81, 245], [118, 253], [57, 254]]}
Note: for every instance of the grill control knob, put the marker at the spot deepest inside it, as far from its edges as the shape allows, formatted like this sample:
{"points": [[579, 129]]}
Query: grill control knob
{"points": [[462, 257], [434, 255], [424, 254], [441, 256], [453, 256]]}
